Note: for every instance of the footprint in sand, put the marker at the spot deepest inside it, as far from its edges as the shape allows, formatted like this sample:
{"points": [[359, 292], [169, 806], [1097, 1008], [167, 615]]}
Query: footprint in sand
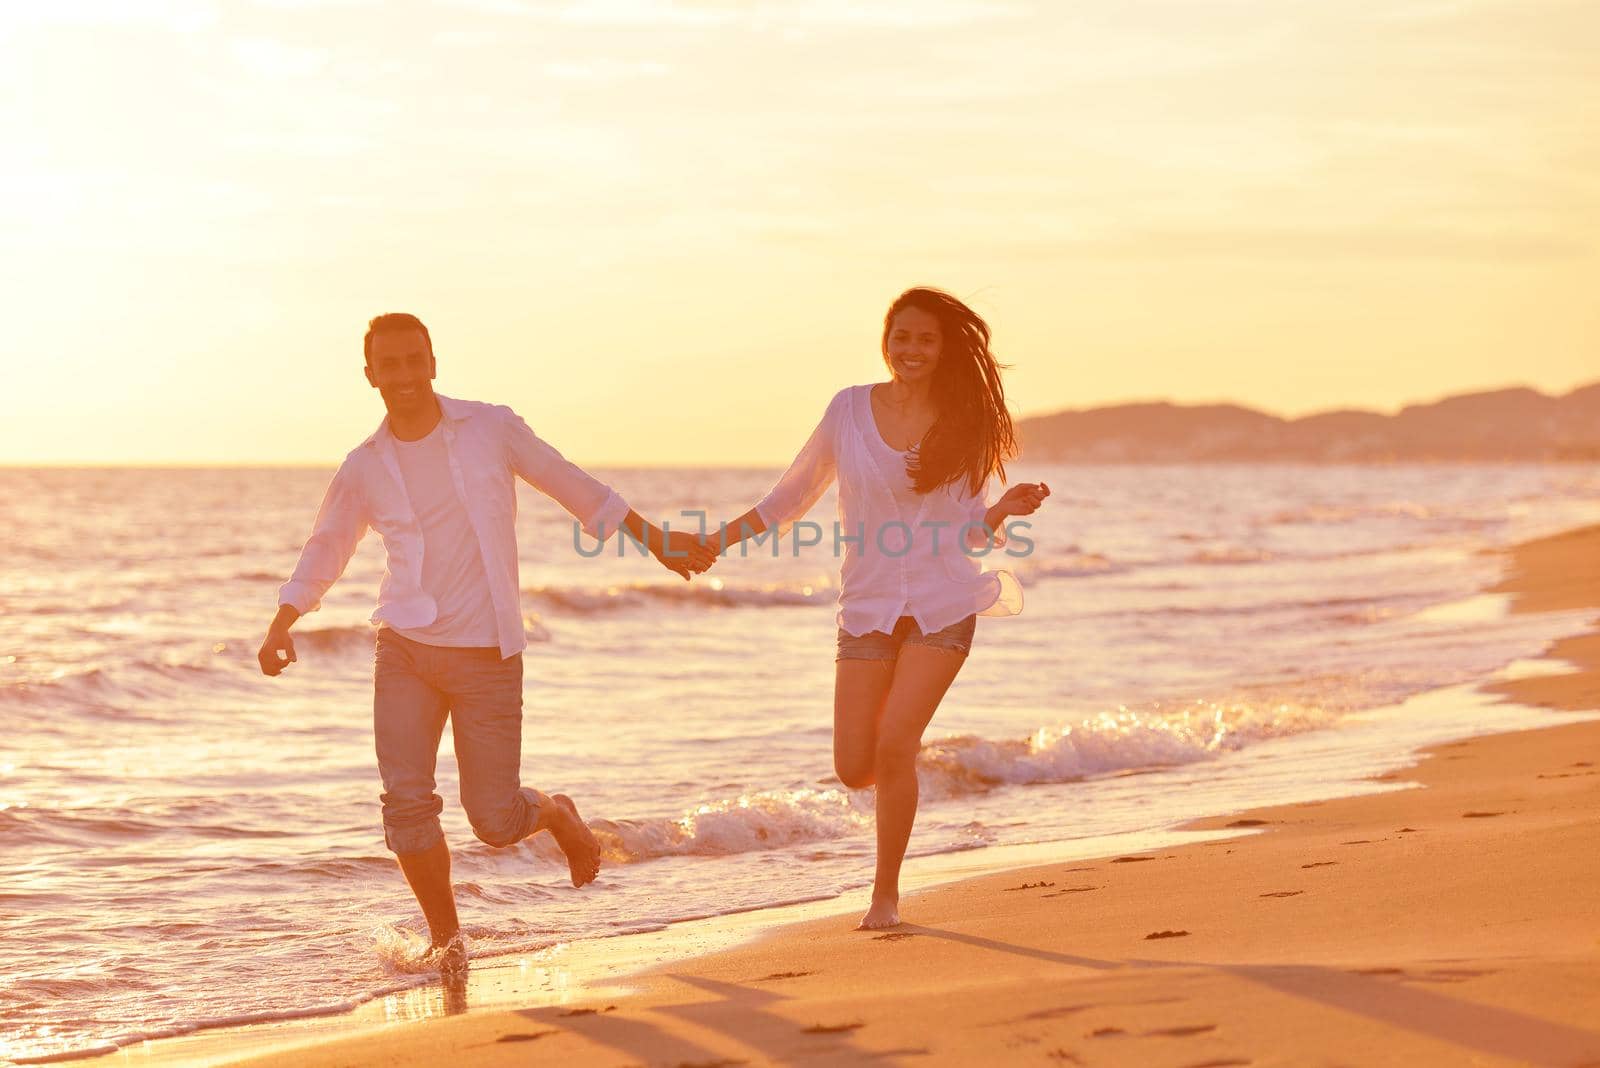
{"points": [[783, 975], [1131, 860], [1052, 1014], [1025, 886], [1182, 1032], [523, 1036], [1072, 890], [1166, 934], [1480, 815], [1106, 1032], [1248, 823], [894, 936], [1283, 893], [831, 1029], [1453, 975], [1320, 864], [1358, 841], [1406, 830], [1378, 971]]}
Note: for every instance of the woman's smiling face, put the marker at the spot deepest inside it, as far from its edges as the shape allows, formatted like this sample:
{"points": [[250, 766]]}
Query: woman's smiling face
{"points": [[913, 344]]}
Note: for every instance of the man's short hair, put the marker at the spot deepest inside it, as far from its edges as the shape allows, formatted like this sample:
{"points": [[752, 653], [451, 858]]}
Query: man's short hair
{"points": [[393, 321]]}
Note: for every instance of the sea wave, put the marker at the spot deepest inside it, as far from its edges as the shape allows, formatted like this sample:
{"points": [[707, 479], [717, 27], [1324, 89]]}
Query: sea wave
{"points": [[324, 867], [1123, 740], [359, 637], [1112, 742], [1350, 610], [1231, 554], [748, 823], [712, 592], [84, 827], [336, 639], [1335, 513], [1073, 563], [259, 576], [104, 691]]}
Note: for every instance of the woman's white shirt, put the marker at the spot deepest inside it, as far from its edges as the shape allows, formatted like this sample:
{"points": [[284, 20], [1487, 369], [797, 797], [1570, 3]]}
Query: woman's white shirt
{"points": [[905, 553]]}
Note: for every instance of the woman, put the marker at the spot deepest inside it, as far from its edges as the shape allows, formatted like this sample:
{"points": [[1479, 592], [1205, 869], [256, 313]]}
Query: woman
{"points": [[912, 457]]}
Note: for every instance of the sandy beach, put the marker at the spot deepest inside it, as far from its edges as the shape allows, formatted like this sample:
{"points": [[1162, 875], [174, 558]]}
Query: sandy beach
{"points": [[1456, 923]]}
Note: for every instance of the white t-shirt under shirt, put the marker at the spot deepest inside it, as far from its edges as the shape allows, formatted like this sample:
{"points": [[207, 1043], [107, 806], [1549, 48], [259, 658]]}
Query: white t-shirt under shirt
{"points": [[452, 564]]}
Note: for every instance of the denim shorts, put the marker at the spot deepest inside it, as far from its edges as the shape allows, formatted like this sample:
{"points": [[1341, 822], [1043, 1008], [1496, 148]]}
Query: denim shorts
{"points": [[876, 645]]}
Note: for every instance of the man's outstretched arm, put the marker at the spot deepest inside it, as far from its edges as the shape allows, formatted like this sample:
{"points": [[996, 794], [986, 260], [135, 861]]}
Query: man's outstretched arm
{"points": [[599, 509], [341, 523]]}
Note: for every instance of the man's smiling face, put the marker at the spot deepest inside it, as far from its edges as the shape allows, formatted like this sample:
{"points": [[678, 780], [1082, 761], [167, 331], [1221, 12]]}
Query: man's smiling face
{"points": [[400, 366]]}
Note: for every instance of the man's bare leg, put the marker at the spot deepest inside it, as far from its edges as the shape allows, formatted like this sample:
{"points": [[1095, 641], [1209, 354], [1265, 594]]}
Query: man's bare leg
{"points": [[559, 816], [428, 873]]}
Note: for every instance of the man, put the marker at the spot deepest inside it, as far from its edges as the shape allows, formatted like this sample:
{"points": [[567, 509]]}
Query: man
{"points": [[436, 482]]}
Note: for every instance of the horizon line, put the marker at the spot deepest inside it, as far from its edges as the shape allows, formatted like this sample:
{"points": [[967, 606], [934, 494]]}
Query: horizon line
{"points": [[333, 462]]}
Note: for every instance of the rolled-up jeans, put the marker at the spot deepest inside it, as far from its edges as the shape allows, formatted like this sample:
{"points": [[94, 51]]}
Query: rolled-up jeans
{"points": [[416, 687]]}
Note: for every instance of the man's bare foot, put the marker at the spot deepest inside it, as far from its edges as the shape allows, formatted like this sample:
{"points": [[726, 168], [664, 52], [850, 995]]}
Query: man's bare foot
{"points": [[575, 839], [451, 957], [883, 913]]}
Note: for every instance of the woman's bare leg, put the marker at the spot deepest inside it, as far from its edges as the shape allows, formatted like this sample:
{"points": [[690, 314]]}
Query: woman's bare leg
{"points": [[859, 690], [921, 677]]}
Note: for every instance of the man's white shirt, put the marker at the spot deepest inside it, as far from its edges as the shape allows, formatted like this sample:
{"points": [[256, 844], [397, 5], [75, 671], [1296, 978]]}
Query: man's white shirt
{"points": [[486, 447]]}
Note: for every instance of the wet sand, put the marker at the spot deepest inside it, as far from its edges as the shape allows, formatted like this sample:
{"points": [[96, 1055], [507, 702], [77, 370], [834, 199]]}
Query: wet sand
{"points": [[1454, 924]]}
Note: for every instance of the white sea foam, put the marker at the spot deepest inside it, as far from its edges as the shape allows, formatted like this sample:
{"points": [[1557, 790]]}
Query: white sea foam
{"points": [[758, 821], [711, 591], [1121, 740]]}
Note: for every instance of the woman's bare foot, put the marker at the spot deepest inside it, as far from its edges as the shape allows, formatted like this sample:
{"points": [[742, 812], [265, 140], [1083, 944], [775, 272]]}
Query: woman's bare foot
{"points": [[884, 912], [574, 838]]}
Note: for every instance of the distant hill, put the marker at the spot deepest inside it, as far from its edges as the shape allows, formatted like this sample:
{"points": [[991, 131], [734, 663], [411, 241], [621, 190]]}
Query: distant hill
{"points": [[1505, 424]]}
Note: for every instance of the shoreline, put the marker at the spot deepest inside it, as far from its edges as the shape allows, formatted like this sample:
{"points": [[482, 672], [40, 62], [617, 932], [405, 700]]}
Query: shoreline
{"points": [[669, 1008]]}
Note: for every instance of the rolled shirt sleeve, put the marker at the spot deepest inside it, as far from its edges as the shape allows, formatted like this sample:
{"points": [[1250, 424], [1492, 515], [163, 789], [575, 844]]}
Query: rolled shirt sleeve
{"points": [[598, 508], [339, 527], [808, 477]]}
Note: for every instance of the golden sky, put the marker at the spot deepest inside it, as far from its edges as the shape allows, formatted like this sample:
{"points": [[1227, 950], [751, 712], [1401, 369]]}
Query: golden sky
{"points": [[666, 232]]}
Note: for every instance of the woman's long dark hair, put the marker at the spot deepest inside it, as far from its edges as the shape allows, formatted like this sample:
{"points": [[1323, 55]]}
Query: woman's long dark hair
{"points": [[972, 437]]}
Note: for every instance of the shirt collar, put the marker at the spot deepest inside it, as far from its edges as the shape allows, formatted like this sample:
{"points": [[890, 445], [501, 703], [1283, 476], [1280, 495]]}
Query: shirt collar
{"points": [[452, 411]]}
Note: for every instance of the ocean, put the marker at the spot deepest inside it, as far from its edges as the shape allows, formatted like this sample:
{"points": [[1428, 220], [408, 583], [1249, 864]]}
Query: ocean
{"points": [[186, 842]]}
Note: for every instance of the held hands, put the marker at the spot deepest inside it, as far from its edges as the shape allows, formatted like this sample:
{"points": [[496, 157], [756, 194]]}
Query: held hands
{"points": [[1023, 499], [277, 651], [685, 554]]}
